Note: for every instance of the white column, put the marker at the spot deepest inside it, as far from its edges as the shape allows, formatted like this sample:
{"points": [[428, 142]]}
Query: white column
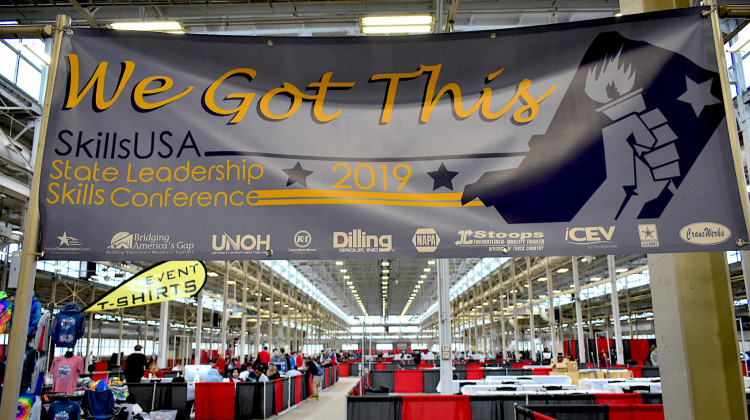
{"points": [[444, 316], [199, 328], [579, 316], [616, 309], [163, 335], [243, 321], [224, 314], [552, 320], [532, 330], [514, 292]]}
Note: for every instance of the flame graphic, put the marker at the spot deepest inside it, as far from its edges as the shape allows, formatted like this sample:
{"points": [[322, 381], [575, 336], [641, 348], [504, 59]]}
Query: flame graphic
{"points": [[612, 81]]}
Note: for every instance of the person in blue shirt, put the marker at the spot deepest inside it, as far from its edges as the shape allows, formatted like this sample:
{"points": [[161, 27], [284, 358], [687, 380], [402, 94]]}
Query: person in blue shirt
{"points": [[314, 369]]}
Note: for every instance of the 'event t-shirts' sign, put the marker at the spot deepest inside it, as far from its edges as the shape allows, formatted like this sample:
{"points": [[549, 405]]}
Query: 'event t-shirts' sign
{"points": [[595, 137]]}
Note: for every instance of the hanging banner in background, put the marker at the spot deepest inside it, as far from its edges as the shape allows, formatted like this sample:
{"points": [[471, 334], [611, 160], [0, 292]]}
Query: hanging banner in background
{"points": [[595, 137], [159, 283]]}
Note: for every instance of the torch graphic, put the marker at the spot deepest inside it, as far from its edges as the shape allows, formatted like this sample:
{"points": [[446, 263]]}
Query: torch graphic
{"points": [[639, 146]]}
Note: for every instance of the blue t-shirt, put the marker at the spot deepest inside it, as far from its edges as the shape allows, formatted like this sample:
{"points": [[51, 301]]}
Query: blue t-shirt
{"points": [[320, 370], [64, 410]]}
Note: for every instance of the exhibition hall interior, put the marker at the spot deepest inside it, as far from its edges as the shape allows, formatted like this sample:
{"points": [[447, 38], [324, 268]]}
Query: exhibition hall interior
{"points": [[602, 278]]}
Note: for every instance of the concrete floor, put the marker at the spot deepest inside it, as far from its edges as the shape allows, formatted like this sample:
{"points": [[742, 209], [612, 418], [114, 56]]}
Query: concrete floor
{"points": [[331, 406]]}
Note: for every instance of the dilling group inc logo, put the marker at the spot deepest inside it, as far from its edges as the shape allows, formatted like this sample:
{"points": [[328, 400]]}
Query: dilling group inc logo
{"points": [[360, 241]]}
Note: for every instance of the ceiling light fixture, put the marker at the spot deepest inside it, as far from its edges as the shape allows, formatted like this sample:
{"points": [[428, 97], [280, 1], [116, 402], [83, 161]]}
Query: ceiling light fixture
{"points": [[170, 26], [563, 270]]}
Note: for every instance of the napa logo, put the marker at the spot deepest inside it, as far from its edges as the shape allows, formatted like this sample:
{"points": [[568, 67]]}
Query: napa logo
{"points": [[589, 235], [705, 233]]}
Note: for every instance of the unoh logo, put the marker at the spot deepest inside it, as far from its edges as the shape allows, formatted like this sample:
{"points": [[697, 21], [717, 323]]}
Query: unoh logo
{"points": [[705, 233]]}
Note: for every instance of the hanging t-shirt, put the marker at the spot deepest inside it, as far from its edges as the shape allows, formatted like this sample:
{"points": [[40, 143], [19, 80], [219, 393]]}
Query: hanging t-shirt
{"points": [[37, 379], [65, 372], [65, 410], [6, 311], [29, 407], [41, 338]]}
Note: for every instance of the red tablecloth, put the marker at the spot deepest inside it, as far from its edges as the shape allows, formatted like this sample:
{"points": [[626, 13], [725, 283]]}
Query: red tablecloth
{"points": [[408, 381], [636, 412], [619, 399], [214, 401], [419, 407]]}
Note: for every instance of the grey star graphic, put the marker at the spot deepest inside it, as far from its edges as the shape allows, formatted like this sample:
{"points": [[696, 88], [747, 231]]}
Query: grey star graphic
{"points": [[442, 177], [698, 95], [648, 233], [298, 175], [65, 239]]}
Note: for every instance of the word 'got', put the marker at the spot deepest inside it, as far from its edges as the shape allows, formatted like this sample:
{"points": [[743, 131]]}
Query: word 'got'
{"points": [[144, 94]]}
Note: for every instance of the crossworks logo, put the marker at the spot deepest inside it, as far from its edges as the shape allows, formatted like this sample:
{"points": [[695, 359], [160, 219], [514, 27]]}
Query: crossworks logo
{"points": [[240, 243], [589, 235], [121, 240], [359, 241]]}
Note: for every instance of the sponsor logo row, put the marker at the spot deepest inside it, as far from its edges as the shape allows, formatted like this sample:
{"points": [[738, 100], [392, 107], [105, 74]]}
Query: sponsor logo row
{"points": [[425, 240]]}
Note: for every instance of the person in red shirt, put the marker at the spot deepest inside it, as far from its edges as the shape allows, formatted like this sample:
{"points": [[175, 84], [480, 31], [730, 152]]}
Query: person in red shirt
{"points": [[299, 360], [153, 372], [264, 356]]}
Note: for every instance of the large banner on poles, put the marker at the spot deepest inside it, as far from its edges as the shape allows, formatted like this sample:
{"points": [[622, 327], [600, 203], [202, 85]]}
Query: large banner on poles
{"points": [[597, 137]]}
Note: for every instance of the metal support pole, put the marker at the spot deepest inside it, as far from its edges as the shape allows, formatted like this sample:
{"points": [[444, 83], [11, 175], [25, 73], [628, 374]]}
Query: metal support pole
{"points": [[616, 310], [119, 341], [243, 320], [225, 313], [532, 330], [87, 356], [482, 347], [199, 329], [27, 273], [502, 326], [552, 320], [444, 316], [582, 357], [514, 291], [257, 308], [163, 361], [145, 330]]}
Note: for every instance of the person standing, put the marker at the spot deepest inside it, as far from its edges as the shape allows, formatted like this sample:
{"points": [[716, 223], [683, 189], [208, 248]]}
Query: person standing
{"points": [[654, 356], [317, 377], [135, 365], [263, 358]]}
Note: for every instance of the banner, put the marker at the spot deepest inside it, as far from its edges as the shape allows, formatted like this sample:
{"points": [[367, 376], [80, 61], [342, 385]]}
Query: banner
{"points": [[159, 283], [596, 137]]}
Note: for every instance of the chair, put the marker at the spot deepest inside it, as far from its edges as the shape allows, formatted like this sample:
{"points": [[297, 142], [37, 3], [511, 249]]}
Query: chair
{"points": [[100, 405], [637, 388]]}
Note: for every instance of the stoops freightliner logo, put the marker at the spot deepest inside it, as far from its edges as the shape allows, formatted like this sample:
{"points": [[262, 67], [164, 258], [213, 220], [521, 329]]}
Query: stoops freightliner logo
{"points": [[635, 119]]}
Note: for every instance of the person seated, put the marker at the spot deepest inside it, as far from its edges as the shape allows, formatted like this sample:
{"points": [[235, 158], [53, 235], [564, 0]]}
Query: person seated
{"points": [[153, 372], [178, 367], [213, 376], [235, 376], [272, 373]]}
